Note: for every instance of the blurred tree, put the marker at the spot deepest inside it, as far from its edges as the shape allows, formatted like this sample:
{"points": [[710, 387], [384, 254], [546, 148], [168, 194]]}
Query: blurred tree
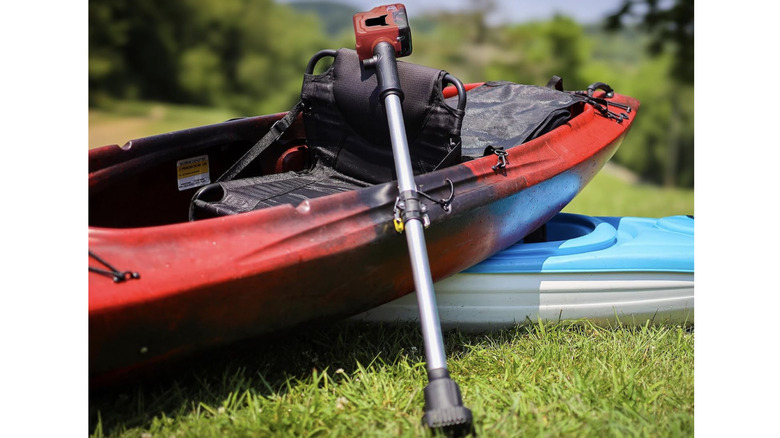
{"points": [[671, 29], [244, 54], [532, 53], [106, 34], [667, 26], [133, 47], [480, 10]]}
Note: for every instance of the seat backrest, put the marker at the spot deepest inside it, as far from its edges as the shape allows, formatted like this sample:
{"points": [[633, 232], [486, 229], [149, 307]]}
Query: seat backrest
{"points": [[346, 124]]}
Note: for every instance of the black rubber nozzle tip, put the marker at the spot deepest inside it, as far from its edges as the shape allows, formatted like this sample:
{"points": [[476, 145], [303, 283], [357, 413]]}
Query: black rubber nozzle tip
{"points": [[444, 406]]}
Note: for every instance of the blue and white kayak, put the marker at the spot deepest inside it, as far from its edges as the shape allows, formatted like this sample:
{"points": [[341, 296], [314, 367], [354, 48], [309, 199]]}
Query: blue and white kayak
{"points": [[603, 269]]}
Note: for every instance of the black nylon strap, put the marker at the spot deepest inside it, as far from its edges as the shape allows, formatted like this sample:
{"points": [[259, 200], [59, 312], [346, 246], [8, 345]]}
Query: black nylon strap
{"points": [[273, 134], [453, 156]]}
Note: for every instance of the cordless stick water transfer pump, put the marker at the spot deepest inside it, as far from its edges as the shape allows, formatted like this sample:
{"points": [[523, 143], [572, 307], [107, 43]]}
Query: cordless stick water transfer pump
{"points": [[381, 35]]}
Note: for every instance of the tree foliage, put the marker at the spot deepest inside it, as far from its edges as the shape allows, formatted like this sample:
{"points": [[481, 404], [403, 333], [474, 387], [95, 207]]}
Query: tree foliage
{"points": [[670, 28], [534, 52], [246, 54], [249, 55]]}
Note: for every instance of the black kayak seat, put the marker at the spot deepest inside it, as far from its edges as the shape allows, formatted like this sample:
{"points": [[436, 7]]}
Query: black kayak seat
{"points": [[497, 115], [347, 132]]}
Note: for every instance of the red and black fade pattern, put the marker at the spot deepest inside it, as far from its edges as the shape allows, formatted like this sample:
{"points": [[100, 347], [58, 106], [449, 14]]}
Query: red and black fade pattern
{"points": [[225, 279]]}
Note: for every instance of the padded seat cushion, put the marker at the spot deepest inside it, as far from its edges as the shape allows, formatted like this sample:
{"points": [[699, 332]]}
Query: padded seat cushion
{"points": [[247, 194]]}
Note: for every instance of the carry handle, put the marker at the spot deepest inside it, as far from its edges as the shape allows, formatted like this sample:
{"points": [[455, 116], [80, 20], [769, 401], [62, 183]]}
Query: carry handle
{"points": [[450, 79], [316, 58], [600, 86]]}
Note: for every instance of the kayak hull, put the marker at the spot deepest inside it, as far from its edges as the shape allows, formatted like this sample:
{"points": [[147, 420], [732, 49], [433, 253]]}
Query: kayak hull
{"points": [[608, 271], [216, 281]]}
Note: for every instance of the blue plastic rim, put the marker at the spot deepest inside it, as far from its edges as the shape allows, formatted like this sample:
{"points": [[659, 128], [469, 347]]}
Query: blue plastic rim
{"points": [[578, 243]]}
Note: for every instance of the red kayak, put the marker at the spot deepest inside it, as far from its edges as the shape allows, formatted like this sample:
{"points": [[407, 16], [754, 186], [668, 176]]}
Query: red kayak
{"points": [[179, 262]]}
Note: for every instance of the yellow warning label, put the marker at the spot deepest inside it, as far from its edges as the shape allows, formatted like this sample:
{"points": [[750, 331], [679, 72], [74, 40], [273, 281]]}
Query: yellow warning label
{"points": [[193, 172]]}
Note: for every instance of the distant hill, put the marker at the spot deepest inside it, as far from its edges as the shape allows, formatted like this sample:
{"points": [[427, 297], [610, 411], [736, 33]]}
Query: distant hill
{"points": [[335, 17]]}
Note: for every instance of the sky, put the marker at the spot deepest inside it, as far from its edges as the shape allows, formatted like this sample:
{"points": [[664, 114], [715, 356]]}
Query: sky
{"points": [[584, 11]]}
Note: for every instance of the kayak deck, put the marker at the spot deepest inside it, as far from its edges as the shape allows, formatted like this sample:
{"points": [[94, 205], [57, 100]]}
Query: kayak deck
{"points": [[604, 269]]}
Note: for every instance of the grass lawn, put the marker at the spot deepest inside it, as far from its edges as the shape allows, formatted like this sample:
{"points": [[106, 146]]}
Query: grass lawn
{"points": [[564, 379]]}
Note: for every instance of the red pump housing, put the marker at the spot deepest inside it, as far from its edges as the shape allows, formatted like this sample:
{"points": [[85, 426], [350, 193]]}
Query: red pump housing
{"points": [[382, 24]]}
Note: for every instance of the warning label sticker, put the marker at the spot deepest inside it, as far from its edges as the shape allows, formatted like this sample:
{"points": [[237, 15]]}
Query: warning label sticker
{"points": [[193, 172]]}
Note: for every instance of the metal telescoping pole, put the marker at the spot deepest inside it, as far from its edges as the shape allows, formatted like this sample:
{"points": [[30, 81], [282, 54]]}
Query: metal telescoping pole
{"points": [[443, 404], [415, 240]]}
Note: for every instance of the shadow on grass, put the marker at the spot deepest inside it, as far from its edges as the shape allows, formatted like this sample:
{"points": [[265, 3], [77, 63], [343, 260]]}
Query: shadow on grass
{"points": [[264, 366]]}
